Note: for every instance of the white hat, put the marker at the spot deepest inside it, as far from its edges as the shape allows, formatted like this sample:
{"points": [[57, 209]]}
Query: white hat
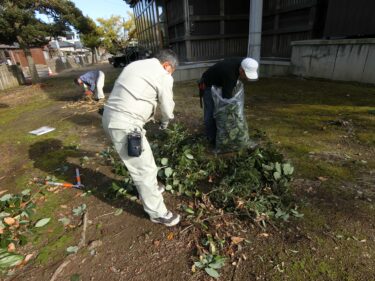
{"points": [[250, 66]]}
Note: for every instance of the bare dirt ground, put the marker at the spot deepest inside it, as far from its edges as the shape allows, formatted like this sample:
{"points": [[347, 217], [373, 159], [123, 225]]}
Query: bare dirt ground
{"points": [[325, 128]]}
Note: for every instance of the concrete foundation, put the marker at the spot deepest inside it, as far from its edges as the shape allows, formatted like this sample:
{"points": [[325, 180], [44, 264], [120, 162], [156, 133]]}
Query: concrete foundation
{"points": [[268, 68], [345, 60]]}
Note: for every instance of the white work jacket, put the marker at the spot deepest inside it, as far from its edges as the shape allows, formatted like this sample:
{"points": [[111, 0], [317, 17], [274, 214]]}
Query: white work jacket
{"points": [[140, 87]]}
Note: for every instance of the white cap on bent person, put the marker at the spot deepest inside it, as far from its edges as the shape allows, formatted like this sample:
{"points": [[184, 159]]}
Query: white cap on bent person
{"points": [[250, 66]]}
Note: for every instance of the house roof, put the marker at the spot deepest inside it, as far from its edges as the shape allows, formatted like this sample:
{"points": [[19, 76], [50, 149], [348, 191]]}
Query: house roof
{"points": [[4, 46], [62, 44], [131, 2]]}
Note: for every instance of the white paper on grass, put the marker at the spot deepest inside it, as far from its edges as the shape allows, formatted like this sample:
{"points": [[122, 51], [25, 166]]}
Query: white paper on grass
{"points": [[42, 130]]}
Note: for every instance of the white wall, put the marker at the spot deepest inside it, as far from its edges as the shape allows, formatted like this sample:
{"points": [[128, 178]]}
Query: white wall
{"points": [[345, 60]]}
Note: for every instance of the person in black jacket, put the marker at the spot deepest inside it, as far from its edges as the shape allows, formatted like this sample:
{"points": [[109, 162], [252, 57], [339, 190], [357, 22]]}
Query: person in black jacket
{"points": [[224, 74]]}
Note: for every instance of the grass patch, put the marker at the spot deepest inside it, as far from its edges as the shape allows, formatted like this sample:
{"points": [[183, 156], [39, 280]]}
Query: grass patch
{"points": [[54, 250]]}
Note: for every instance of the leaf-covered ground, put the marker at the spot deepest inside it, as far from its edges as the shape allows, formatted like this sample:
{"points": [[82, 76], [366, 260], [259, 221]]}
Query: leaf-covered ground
{"points": [[325, 129]]}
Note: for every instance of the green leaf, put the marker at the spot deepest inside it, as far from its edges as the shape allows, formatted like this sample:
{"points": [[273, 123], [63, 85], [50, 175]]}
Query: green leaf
{"points": [[64, 221], [6, 197], [189, 156], [118, 212], [72, 249], [10, 259], [42, 222], [168, 172], [212, 272], [164, 161], [212, 247], [168, 187], [26, 192], [216, 265], [198, 264], [288, 169], [277, 175], [267, 167], [79, 210], [115, 187], [296, 213], [4, 215], [278, 167], [189, 210]]}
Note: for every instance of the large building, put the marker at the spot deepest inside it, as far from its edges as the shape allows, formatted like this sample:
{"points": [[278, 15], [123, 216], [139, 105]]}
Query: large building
{"points": [[202, 30]]}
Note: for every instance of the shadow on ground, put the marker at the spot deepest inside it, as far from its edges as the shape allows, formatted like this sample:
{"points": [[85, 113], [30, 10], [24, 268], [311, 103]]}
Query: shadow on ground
{"points": [[52, 157]]}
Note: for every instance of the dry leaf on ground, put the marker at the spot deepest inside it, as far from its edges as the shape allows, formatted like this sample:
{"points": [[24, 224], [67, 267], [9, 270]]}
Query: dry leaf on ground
{"points": [[237, 240], [11, 247], [170, 236], [9, 221]]}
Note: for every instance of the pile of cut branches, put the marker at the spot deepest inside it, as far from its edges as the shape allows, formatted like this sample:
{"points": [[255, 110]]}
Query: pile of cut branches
{"points": [[251, 184]]}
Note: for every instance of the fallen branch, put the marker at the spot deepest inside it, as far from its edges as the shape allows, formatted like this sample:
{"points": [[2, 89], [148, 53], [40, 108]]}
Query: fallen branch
{"points": [[82, 242], [70, 258], [107, 214], [186, 228]]}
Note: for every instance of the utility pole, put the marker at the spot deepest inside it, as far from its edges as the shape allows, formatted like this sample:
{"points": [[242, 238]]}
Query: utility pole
{"points": [[255, 29]]}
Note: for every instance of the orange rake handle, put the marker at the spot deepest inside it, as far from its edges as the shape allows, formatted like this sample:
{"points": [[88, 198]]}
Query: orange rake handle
{"points": [[63, 184]]}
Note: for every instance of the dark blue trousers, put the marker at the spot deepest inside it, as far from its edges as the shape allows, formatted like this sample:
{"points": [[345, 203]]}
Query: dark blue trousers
{"points": [[208, 111]]}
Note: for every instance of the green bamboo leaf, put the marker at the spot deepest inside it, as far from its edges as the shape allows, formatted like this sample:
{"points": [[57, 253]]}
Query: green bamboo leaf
{"points": [[6, 197], [10, 260], [42, 222]]}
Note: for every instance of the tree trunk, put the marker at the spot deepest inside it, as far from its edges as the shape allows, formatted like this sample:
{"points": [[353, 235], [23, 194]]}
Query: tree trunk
{"points": [[32, 67]]}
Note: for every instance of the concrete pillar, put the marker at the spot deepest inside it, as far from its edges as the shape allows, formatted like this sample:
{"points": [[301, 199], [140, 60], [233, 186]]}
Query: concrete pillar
{"points": [[255, 29]]}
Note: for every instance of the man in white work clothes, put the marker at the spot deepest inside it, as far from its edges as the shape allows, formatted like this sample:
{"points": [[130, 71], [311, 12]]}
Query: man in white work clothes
{"points": [[140, 87]]}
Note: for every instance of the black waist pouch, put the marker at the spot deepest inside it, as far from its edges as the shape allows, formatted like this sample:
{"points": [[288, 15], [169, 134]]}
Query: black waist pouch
{"points": [[135, 143]]}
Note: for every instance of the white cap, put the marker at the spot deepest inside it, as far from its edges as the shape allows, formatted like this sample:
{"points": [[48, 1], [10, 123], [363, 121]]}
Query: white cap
{"points": [[250, 66]]}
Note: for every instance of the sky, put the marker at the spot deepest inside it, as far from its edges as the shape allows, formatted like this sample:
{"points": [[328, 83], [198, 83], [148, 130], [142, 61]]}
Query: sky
{"points": [[102, 8]]}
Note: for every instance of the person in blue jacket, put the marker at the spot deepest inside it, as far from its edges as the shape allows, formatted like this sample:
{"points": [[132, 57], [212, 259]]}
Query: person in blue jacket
{"points": [[93, 82]]}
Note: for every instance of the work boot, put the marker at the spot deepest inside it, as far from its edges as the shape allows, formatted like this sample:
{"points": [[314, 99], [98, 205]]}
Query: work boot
{"points": [[169, 219]]}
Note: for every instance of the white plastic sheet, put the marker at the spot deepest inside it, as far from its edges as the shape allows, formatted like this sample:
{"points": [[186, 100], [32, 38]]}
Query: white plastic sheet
{"points": [[232, 130]]}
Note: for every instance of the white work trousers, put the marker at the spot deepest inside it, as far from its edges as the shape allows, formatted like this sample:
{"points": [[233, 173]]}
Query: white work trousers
{"points": [[142, 169], [99, 86]]}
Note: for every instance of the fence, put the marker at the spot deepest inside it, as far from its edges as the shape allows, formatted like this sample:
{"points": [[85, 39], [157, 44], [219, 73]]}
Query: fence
{"points": [[10, 76], [59, 64], [13, 75]]}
